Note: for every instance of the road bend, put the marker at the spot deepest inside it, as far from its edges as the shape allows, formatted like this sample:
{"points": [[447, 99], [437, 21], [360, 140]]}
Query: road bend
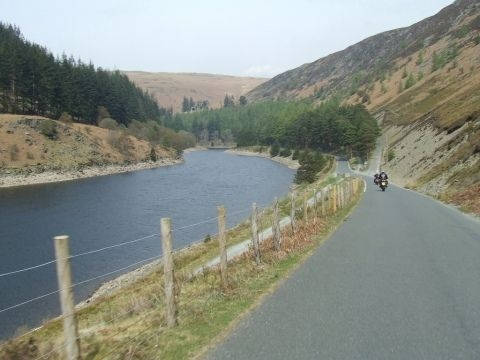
{"points": [[399, 280]]}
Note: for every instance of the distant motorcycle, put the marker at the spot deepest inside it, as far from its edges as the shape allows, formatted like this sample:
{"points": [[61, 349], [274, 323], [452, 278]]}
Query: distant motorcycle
{"points": [[383, 183]]}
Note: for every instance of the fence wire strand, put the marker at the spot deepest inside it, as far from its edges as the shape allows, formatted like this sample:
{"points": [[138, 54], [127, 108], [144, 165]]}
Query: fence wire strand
{"points": [[29, 268], [79, 283], [80, 254]]}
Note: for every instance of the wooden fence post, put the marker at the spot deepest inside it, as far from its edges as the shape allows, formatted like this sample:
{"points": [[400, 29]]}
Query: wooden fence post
{"points": [[322, 202], [277, 240], [328, 199], [339, 196], [334, 199], [168, 272], [305, 207], [314, 206], [256, 245], [222, 245], [292, 211], [349, 192], [64, 276]]}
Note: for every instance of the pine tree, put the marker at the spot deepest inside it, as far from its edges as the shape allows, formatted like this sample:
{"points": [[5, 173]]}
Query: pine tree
{"points": [[33, 81]]}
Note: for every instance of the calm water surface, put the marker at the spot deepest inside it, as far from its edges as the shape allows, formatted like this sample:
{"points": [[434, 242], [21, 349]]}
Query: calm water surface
{"points": [[107, 210]]}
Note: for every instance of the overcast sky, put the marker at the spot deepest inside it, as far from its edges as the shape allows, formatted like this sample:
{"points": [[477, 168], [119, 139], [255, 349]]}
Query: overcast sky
{"points": [[248, 37]]}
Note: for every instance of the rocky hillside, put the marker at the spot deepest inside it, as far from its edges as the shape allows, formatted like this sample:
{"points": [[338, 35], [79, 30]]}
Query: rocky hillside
{"points": [[425, 82], [170, 88], [369, 60], [33, 144]]}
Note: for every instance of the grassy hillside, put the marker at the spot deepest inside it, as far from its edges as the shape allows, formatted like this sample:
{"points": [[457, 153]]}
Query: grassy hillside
{"points": [[373, 59], [425, 81], [37, 144], [170, 88]]}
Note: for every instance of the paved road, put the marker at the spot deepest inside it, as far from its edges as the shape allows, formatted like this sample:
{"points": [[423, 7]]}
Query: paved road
{"points": [[400, 280]]}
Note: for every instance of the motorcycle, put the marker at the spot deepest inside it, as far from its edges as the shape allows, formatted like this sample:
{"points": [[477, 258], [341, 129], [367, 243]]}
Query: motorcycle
{"points": [[383, 184]]}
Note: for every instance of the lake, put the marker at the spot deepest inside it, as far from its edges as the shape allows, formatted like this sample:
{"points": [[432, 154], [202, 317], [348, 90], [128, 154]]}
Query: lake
{"points": [[108, 210]]}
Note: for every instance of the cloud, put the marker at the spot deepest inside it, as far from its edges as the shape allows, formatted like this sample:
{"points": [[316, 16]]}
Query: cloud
{"points": [[262, 70]]}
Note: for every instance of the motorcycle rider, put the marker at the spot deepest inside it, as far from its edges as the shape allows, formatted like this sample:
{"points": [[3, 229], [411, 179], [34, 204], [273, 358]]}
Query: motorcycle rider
{"points": [[375, 179], [383, 175]]}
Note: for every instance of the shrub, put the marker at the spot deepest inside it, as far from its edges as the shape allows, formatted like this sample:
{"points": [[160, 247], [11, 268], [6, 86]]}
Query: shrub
{"points": [[391, 155], [156, 134], [410, 81], [108, 123], [153, 155], [30, 156], [102, 113], [447, 55], [462, 32], [311, 165], [119, 141], [66, 118], [420, 58], [296, 154], [476, 40], [275, 149], [48, 128], [285, 153], [13, 152]]}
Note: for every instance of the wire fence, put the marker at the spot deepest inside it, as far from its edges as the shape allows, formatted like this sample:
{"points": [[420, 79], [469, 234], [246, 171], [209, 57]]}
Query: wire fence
{"points": [[25, 302], [89, 252], [262, 211]]}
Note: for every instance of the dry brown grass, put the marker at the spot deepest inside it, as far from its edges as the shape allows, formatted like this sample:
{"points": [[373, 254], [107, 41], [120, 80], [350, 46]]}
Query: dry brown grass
{"points": [[468, 199], [23, 146], [170, 88]]}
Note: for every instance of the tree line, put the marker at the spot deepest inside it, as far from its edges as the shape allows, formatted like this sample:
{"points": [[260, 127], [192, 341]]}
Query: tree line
{"points": [[188, 104], [33, 81], [329, 127]]}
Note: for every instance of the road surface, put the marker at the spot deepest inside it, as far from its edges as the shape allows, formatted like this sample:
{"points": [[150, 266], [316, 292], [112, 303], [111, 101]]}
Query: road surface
{"points": [[400, 280]]}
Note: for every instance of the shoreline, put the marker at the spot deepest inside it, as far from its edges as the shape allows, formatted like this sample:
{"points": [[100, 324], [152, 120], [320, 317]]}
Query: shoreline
{"points": [[111, 286], [194, 149], [288, 162], [121, 281], [47, 177]]}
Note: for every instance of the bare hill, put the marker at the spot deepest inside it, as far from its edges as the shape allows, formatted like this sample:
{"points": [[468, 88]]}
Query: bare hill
{"points": [[170, 88], [425, 80], [35, 149]]}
